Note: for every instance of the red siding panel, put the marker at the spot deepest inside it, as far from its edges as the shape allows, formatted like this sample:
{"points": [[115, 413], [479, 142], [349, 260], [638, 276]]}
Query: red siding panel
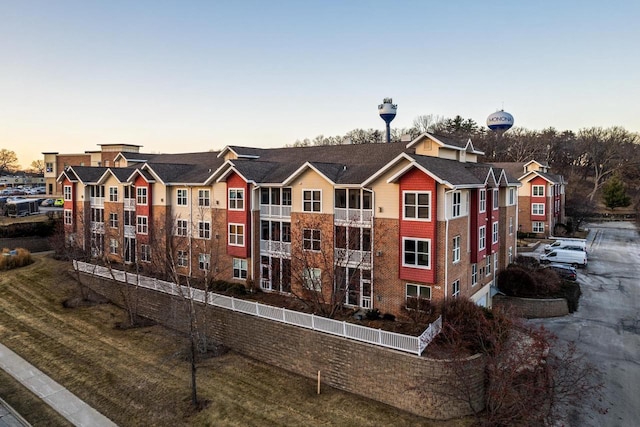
{"points": [[416, 180]]}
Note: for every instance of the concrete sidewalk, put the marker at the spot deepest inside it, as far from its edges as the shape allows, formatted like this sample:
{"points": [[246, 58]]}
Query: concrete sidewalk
{"points": [[56, 396]]}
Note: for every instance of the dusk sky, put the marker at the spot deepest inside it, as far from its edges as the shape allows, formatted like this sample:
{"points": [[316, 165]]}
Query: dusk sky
{"points": [[187, 76]]}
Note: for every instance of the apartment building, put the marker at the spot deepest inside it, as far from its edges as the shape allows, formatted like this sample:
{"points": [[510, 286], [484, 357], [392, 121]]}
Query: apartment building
{"points": [[383, 226], [55, 163], [541, 197]]}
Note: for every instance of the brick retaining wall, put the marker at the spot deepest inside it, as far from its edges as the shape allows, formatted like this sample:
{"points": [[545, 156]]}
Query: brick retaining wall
{"points": [[533, 308], [374, 372]]}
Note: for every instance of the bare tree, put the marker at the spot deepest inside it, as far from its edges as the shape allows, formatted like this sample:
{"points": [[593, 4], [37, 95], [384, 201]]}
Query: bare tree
{"points": [[37, 166], [530, 379], [8, 161], [331, 264], [604, 152]]}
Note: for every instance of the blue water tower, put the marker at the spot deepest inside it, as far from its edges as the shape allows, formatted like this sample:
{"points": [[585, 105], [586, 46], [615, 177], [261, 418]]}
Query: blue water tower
{"points": [[500, 121], [387, 111]]}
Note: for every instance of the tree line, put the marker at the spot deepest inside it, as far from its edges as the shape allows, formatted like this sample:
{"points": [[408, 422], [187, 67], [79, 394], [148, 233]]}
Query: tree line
{"points": [[588, 159]]}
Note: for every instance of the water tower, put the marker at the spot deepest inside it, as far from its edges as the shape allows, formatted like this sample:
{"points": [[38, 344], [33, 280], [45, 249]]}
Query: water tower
{"points": [[500, 121], [387, 111]]}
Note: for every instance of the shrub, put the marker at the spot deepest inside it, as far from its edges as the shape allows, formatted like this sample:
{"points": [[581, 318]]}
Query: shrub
{"points": [[16, 258], [476, 329], [373, 314], [516, 280]]}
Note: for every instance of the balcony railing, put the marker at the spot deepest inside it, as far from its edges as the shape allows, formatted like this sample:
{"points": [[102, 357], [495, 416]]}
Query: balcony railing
{"points": [[130, 204], [278, 211], [273, 247], [129, 231], [97, 201], [97, 227], [361, 216], [352, 257]]}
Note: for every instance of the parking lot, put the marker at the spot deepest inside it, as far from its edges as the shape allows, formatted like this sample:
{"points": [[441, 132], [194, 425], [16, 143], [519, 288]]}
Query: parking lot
{"points": [[606, 326]]}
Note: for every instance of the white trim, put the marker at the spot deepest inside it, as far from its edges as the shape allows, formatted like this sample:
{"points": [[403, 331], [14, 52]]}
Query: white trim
{"points": [[417, 239], [417, 205]]}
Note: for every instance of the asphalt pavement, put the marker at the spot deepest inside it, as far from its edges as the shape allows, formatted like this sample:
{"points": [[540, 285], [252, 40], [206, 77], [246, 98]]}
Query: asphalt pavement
{"points": [[606, 326]]}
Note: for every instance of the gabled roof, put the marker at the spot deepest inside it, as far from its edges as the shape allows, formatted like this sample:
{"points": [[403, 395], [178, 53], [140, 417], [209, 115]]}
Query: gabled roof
{"points": [[515, 171], [451, 173], [444, 141], [85, 174], [242, 152]]}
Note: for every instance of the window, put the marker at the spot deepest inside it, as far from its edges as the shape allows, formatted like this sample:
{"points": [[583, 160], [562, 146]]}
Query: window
{"points": [[310, 239], [236, 199], [181, 197], [143, 225], [204, 262], [512, 196], [538, 190], [67, 192], [49, 167], [482, 237], [145, 253], [456, 249], [415, 253], [236, 234], [417, 296], [239, 268], [113, 246], [68, 218], [474, 274], [182, 259], [204, 198], [204, 230], [417, 205], [496, 260], [496, 199], [538, 227], [113, 220], [141, 195], [113, 194], [312, 279], [286, 196], [456, 199], [483, 200], [455, 289], [494, 235], [487, 266], [181, 227], [510, 254], [537, 209], [510, 225], [311, 201]]}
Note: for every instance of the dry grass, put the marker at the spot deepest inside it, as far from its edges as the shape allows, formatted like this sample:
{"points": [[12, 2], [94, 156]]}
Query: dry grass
{"points": [[14, 259], [133, 376]]}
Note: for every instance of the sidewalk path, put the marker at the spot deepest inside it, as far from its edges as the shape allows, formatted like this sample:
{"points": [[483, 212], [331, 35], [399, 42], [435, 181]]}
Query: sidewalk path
{"points": [[56, 396]]}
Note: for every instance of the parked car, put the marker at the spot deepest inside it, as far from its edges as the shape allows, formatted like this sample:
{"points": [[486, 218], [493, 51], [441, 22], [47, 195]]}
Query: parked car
{"points": [[574, 244], [58, 202], [47, 203], [564, 271]]}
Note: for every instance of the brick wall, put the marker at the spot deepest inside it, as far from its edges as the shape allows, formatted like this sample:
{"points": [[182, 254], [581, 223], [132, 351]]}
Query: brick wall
{"points": [[533, 308], [377, 373]]}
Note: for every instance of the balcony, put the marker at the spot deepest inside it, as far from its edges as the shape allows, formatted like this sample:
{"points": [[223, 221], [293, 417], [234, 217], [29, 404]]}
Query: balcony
{"points": [[275, 211], [351, 257], [96, 201], [275, 248], [130, 231], [353, 216], [97, 227], [129, 204]]}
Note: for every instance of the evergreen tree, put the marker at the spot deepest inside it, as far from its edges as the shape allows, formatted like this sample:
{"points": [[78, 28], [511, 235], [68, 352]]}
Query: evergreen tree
{"points": [[614, 193]]}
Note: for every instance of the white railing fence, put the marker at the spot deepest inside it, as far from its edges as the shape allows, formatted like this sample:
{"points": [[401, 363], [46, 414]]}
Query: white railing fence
{"points": [[407, 343]]}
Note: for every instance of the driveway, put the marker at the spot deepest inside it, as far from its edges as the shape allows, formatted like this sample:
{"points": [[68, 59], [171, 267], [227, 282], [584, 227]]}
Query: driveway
{"points": [[606, 326]]}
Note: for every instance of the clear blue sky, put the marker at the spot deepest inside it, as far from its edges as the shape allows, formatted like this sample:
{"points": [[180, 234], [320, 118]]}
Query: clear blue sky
{"points": [[180, 76]]}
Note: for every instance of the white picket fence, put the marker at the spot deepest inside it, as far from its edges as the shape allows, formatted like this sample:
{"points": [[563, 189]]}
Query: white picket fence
{"points": [[407, 343]]}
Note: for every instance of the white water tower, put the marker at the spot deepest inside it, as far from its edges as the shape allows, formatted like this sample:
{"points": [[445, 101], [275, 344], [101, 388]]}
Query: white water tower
{"points": [[387, 111]]}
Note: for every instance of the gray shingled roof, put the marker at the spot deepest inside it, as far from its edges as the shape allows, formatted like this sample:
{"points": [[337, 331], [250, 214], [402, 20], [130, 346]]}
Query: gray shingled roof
{"points": [[89, 174], [343, 164]]}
